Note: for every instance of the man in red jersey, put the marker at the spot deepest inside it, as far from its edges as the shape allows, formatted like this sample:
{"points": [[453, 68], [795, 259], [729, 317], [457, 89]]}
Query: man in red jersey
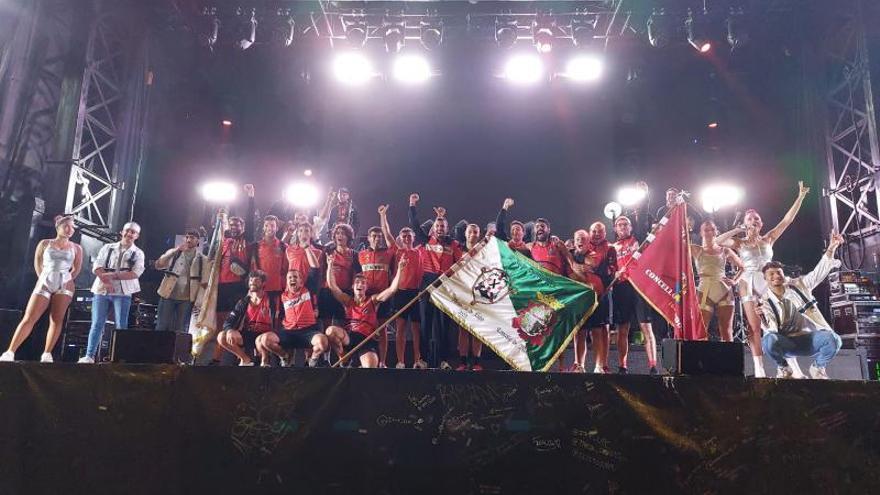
{"points": [[361, 312], [517, 230], [251, 318], [466, 341], [547, 250], [376, 264], [629, 306], [345, 266], [299, 326], [267, 255], [594, 262], [438, 253], [408, 289], [296, 250]]}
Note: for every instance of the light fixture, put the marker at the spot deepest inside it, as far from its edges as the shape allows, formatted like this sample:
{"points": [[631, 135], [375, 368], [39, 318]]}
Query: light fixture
{"points": [[631, 195], [352, 68], [355, 31], [612, 210], [584, 68], [717, 196], [307, 172], [712, 125], [695, 35], [542, 33], [226, 123], [394, 34], [219, 192], [247, 28], [737, 32], [506, 32], [659, 29], [302, 194], [431, 33], [209, 28], [583, 29], [523, 69], [411, 69], [283, 28]]}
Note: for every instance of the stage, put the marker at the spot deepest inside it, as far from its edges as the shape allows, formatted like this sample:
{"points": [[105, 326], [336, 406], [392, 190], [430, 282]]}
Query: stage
{"points": [[171, 429]]}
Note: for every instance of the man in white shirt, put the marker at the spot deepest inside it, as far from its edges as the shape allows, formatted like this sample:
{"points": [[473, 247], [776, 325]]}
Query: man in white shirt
{"points": [[793, 325], [117, 268]]}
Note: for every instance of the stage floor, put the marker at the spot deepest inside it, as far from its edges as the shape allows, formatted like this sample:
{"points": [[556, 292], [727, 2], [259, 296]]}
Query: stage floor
{"points": [[155, 429]]}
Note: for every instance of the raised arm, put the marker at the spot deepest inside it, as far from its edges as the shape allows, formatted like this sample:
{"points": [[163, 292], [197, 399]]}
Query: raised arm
{"points": [[395, 282], [249, 227], [501, 220], [826, 263], [414, 222], [340, 296], [386, 228], [789, 217], [728, 239]]}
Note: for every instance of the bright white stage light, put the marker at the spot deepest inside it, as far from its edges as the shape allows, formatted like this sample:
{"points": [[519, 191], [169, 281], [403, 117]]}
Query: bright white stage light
{"points": [[717, 196], [219, 192], [412, 69], [613, 210], [584, 68], [524, 69], [353, 69], [631, 195], [302, 194], [307, 172]]}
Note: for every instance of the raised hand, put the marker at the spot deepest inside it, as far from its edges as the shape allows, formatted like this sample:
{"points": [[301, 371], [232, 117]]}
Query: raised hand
{"points": [[413, 199], [440, 211], [836, 239], [802, 189], [249, 189], [403, 262], [383, 210], [508, 202]]}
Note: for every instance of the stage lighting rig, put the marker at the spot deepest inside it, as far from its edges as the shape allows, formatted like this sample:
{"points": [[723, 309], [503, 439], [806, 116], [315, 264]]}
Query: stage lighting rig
{"points": [[208, 28], [283, 28], [717, 196], [695, 28], [394, 32], [583, 30], [584, 68], [246, 28], [355, 31], [631, 195], [524, 69], [353, 69], [737, 32], [542, 33], [506, 32], [612, 210], [219, 192], [659, 28], [431, 33], [302, 194], [412, 69]]}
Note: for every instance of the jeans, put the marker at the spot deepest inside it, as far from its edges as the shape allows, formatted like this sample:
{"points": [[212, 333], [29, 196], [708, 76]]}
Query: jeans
{"points": [[100, 309], [435, 327], [173, 315], [823, 344]]}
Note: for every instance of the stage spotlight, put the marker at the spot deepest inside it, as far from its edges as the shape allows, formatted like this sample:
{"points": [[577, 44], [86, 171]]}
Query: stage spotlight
{"points": [[412, 69], [542, 34], [246, 28], [219, 192], [695, 34], [737, 32], [353, 69], [612, 210], [584, 68], [394, 33], [659, 29], [209, 28], [631, 195], [431, 34], [506, 32], [307, 172], [355, 31], [226, 123], [717, 196], [302, 194], [283, 28], [583, 29], [712, 125], [524, 69]]}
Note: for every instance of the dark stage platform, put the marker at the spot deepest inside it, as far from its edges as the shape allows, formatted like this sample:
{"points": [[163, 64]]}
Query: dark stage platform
{"points": [[145, 429]]}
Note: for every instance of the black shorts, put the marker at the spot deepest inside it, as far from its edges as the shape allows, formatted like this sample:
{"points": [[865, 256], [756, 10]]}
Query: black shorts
{"points": [[629, 307], [298, 339], [329, 307], [602, 315], [249, 339], [355, 338], [228, 296], [400, 299]]}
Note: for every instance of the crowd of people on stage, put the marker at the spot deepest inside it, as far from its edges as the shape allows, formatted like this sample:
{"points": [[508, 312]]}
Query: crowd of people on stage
{"points": [[306, 284]]}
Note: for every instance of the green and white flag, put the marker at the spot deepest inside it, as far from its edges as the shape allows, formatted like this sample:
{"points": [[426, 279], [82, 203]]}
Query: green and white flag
{"points": [[524, 313]]}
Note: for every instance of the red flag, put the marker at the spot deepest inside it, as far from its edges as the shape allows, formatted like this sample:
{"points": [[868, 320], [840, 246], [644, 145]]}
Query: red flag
{"points": [[663, 274]]}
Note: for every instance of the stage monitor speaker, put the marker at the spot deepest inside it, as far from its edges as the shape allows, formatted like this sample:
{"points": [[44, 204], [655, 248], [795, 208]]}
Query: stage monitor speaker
{"points": [[151, 346], [699, 357]]}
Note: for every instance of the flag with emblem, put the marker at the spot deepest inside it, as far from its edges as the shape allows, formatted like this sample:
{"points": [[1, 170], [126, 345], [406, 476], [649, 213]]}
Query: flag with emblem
{"points": [[524, 313]]}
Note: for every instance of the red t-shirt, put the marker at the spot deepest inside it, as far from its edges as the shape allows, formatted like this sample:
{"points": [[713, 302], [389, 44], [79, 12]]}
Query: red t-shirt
{"points": [[299, 309], [411, 278], [230, 249], [269, 257], [376, 267], [362, 318], [625, 248], [550, 258], [259, 316], [343, 269], [298, 261], [437, 257]]}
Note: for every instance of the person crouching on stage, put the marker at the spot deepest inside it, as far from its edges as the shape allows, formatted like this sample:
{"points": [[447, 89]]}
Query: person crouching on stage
{"points": [[362, 313], [299, 327], [117, 267], [57, 262], [185, 270], [251, 317], [466, 341], [792, 322]]}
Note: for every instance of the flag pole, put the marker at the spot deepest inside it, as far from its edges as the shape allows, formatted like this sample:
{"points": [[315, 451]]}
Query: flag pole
{"points": [[433, 285]]}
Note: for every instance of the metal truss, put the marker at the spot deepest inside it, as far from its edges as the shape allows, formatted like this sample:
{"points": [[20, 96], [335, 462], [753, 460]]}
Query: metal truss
{"points": [[94, 182], [852, 153]]}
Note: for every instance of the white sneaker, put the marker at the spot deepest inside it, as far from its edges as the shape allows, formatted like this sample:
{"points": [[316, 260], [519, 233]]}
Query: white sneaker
{"points": [[420, 365], [285, 361], [86, 360], [818, 373], [401, 365], [784, 372], [445, 366], [47, 358], [265, 365], [249, 363], [7, 357]]}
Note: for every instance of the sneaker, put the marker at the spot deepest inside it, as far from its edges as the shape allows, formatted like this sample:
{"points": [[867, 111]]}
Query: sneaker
{"points": [[420, 365], [86, 360], [401, 365], [653, 371], [477, 367], [7, 357], [285, 361], [598, 370], [445, 366], [784, 372], [383, 366], [313, 362], [818, 373], [461, 367], [578, 368], [249, 363], [47, 358], [622, 370], [265, 365]]}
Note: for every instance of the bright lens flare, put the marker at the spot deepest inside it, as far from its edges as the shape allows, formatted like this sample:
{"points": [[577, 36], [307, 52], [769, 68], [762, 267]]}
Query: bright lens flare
{"points": [[219, 192], [631, 196], [412, 69], [524, 69], [302, 194], [352, 69], [584, 68], [718, 196]]}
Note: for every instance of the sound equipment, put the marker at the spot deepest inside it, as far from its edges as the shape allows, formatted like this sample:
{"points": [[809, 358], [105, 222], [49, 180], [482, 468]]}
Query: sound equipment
{"points": [[856, 321], [143, 315], [698, 357], [75, 341], [151, 346], [848, 364], [851, 283]]}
